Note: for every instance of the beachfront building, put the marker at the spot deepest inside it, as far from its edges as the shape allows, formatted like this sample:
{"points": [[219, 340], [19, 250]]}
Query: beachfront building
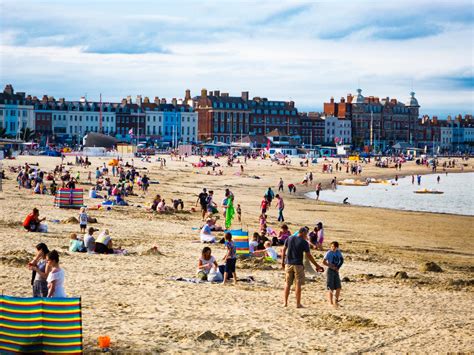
{"points": [[16, 112], [430, 135], [312, 128], [188, 119], [268, 115], [61, 120], [222, 118], [375, 122], [153, 118], [337, 130]]}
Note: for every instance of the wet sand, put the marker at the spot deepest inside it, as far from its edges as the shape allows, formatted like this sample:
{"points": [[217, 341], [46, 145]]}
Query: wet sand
{"points": [[131, 299]]}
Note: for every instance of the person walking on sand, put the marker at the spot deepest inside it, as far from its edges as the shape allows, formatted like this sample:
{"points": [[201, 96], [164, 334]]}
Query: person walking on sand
{"points": [[418, 178], [280, 185], [292, 262], [280, 205]]}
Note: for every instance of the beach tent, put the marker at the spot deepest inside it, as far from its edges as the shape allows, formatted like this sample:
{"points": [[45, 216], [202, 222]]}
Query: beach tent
{"points": [[40, 325], [69, 198], [241, 240]]}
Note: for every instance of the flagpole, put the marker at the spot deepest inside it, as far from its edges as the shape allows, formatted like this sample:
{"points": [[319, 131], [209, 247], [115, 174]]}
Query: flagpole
{"points": [[100, 114]]}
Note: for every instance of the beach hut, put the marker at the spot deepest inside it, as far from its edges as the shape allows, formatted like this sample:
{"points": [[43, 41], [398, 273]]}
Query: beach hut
{"points": [[69, 198]]}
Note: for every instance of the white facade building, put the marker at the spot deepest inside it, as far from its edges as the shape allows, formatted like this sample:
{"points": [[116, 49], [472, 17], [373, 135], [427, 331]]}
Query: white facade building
{"points": [[189, 127], [337, 129], [446, 136]]}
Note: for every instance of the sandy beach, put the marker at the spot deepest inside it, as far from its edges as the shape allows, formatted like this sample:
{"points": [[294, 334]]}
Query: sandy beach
{"points": [[132, 299]]}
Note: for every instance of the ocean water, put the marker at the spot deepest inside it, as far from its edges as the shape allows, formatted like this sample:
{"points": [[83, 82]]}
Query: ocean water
{"points": [[458, 197]]}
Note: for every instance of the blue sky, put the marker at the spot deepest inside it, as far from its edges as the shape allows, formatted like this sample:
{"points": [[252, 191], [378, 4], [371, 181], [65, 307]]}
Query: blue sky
{"points": [[303, 51]]}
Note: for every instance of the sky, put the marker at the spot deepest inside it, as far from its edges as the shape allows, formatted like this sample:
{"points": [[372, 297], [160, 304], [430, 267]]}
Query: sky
{"points": [[282, 50]]}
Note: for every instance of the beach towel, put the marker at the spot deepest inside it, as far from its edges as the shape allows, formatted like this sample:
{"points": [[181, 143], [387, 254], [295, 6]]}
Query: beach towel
{"points": [[230, 212], [40, 325]]}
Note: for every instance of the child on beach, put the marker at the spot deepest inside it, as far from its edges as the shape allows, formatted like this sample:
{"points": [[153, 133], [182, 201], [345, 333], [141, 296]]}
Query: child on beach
{"points": [[268, 252], [230, 259], [239, 213], [253, 245], [333, 260], [83, 220]]}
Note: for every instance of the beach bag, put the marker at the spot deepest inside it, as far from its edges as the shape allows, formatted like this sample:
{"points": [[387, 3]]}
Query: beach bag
{"points": [[214, 276]]}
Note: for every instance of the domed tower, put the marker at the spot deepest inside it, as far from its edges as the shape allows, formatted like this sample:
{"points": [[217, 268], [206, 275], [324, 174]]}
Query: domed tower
{"points": [[413, 109], [359, 98]]}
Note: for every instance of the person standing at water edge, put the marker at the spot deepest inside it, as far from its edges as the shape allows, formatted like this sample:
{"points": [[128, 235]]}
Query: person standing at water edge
{"points": [[318, 191], [438, 179], [418, 178], [292, 263], [280, 185]]}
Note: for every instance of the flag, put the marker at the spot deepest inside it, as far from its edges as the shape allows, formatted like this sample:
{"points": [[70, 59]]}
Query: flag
{"points": [[268, 144], [229, 213], [130, 132]]}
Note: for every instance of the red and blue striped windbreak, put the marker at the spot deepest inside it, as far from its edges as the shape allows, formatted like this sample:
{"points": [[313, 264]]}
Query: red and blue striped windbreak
{"points": [[40, 325]]}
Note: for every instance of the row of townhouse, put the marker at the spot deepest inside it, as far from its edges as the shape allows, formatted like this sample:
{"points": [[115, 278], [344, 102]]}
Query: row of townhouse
{"points": [[215, 116], [173, 122], [225, 118], [450, 135]]}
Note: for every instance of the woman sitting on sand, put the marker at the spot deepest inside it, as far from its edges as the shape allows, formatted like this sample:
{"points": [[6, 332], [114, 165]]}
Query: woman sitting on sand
{"points": [[154, 204], [282, 236], [206, 263], [40, 270], [206, 235], [103, 244]]}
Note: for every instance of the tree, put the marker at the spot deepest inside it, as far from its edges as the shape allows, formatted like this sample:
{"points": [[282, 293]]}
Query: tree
{"points": [[27, 134]]}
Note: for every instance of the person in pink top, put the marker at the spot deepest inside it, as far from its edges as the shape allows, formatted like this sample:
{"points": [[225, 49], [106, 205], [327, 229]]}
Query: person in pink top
{"points": [[280, 206]]}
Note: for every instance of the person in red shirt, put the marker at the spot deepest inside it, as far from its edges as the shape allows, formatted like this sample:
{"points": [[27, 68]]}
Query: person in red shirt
{"points": [[32, 221], [264, 205]]}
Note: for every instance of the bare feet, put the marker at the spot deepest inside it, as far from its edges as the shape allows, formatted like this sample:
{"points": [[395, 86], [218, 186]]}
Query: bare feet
{"points": [[285, 304], [299, 306]]}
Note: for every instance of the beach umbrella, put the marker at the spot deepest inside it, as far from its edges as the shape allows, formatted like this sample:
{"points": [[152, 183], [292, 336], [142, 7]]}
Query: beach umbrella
{"points": [[229, 213]]}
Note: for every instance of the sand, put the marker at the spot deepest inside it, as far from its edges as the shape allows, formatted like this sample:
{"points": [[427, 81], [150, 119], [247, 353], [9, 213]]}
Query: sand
{"points": [[131, 299]]}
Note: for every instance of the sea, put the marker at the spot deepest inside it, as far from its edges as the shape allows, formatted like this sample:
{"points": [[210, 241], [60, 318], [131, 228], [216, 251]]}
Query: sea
{"points": [[457, 197]]}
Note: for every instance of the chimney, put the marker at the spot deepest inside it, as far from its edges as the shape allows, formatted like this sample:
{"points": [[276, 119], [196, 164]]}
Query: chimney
{"points": [[435, 120], [245, 95], [9, 89], [44, 99], [157, 100], [174, 102], [225, 94], [163, 101], [22, 94], [343, 100], [332, 100], [124, 101], [146, 100], [82, 99], [203, 93], [292, 104], [61, 100], [211, 93], [216, 93], [187, 96], [129, 99], [139, 100], [349, 98]]}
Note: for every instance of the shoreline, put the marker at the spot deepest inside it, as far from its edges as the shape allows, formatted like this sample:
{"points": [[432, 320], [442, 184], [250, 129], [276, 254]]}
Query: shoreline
{"points": [[392, 208]]}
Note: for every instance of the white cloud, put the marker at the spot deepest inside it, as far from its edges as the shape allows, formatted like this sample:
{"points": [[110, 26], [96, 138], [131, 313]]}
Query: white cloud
{"points": [[297, 51]]}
